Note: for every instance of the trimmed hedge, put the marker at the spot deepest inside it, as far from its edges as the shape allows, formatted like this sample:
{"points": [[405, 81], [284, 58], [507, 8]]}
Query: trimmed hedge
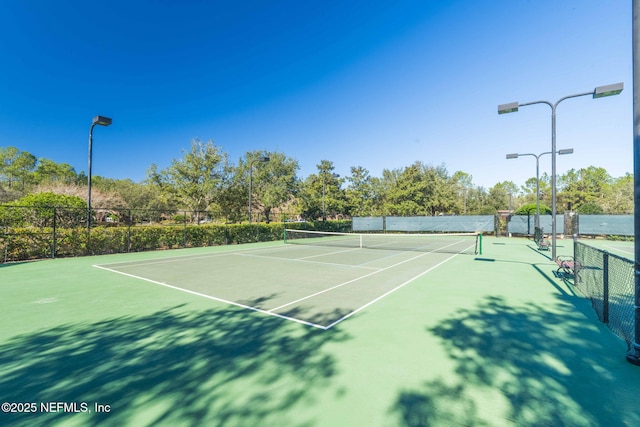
{"points": [[19, 244]]}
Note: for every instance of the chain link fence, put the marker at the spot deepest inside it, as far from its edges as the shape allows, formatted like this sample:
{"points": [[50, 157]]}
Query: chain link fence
{"points": [[28, 233], [573, 223], [608, 281]]}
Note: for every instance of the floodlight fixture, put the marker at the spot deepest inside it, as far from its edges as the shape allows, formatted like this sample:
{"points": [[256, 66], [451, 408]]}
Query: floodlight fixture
{"points": [[101, 120], [608, 90], [511, 107], [598, 92], [537, 156]]}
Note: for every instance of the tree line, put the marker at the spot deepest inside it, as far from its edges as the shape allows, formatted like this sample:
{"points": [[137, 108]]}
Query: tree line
{"points": [[205, 180]]}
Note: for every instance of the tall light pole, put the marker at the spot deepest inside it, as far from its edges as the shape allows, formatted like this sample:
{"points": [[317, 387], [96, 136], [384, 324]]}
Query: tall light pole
{"points": [[599, 92], [102, 121], [259, 159], [333, 175], [634, 354], [516, 155]]}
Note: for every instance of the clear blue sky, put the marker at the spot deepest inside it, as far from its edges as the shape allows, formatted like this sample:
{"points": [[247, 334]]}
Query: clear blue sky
{"points": [[378, 84]]}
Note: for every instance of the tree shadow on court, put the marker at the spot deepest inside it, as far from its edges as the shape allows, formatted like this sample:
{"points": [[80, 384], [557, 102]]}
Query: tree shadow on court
{"points": [[531, 365], [173, 367], [14, 263], [310, 314], [314, 316]]}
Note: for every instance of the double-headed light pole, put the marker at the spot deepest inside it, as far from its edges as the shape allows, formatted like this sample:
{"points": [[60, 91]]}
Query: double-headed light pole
{"points": [[259, 159], [102, 121], [599, 92], [537, 156]]}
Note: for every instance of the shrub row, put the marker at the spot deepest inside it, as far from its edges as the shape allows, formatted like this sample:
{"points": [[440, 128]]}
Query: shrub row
{"points": [[19, 244]]}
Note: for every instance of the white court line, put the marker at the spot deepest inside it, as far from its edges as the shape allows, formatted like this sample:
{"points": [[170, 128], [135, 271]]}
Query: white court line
{"points": [[125, 264], [420, 248], [388, 293], [361, 265], [355, 280], [259, 310], [154, 261], [330, 253], [306, 260], [620, 249], [270, 312]]}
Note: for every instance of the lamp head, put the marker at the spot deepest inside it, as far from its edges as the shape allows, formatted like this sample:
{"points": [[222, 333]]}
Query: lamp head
{"points": [[511, 107], [608, 90], [101, 120], [512, 156]]}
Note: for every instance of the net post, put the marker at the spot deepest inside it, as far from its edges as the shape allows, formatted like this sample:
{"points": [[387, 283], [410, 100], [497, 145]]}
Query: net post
{"points": [[360, 236], [479, 243], [284, 235]]}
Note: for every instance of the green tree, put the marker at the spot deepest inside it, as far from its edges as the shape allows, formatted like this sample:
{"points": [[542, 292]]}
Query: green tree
{"points": [[500, 195], [619, 200], [50, 171], [420, 190], [590, 208], [530, 189], [231, 202], [361, 195], [274, 182], [463, 183], [443, 191], [16, 166], [475, 200], [408, 194], [590, 185], [321, 194], [530, 209], [40, 209], [193, 182]]}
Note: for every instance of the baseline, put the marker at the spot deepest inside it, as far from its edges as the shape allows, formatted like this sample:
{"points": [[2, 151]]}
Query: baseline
{"points": [[259, 310]]}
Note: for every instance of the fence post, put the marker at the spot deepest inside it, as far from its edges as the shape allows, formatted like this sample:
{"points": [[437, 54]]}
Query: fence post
{"points": [[576, 274], [53, 243], [129, 221], [6, 245], [605, 287], [184, 232]]}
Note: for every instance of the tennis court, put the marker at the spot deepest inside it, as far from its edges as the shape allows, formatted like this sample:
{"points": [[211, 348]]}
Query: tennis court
{"points": [[327, 334], [318, 279], [621, 248]]}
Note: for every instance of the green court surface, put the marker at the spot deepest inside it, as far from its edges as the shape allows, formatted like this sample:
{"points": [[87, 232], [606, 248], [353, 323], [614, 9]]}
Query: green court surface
{"points": [[619, 248], [277, 335]]}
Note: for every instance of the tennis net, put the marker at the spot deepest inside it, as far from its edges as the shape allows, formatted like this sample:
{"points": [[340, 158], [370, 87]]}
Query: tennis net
{"points": [[463, 243]]}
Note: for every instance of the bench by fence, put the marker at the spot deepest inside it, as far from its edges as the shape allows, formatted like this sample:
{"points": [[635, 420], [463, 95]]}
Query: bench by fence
{"points": [[543, 245], [567, 266]]}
